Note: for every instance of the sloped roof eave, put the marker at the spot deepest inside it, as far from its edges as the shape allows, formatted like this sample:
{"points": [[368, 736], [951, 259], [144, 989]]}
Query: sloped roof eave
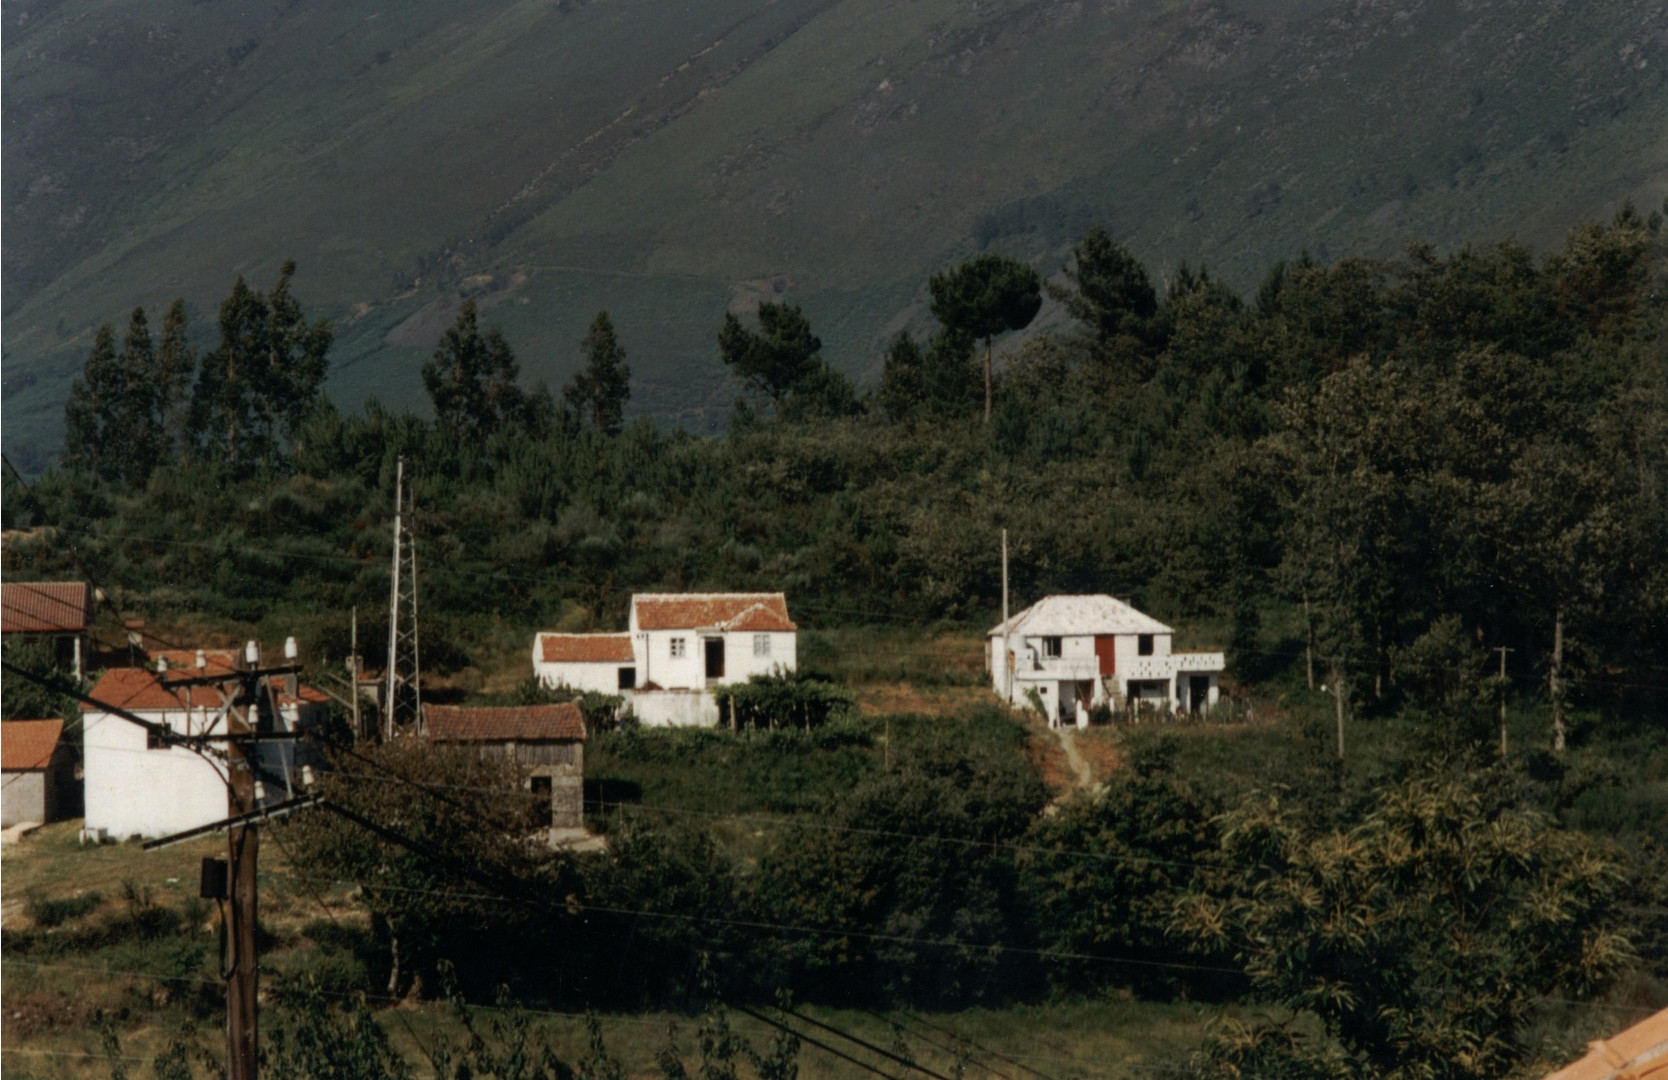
{"points": [[711, 611], [1070, 616]]}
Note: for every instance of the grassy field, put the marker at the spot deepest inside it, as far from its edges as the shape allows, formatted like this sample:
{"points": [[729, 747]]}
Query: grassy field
{"points": [[666, 164]]}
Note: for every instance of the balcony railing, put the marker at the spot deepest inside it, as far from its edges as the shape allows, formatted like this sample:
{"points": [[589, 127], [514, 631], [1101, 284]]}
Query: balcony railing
{"points": [[1067, 667]]}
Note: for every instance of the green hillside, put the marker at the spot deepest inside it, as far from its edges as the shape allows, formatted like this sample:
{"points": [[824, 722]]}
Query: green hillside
{"points": [[668, 161]]}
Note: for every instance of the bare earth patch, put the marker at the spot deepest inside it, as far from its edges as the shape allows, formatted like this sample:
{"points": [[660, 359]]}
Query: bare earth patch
{"points": [[1049, 759], [879, 699]]}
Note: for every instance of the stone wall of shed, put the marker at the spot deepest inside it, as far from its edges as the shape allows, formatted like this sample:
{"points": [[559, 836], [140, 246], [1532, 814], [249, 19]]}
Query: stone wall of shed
{"points": [[25, 798]]}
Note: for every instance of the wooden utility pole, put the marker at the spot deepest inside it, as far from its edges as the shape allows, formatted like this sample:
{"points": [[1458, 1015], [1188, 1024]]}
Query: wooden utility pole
{"points": [[242, 967], [1502, 650]]}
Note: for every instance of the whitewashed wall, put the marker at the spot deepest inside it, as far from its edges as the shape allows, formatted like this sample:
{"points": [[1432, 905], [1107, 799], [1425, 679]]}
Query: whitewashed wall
{"points": [[604, 678], [674, 708], [130, 790]]}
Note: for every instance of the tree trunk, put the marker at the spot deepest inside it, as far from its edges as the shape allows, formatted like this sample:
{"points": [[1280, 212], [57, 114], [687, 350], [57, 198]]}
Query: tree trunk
{"points": [[1381, 662], [393, 964], [987, 380], [1555, 682], [1309, 646], [1338, 696]]}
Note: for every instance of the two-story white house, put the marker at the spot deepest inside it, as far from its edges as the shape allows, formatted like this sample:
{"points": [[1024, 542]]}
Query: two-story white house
{"points": [[138, 784], [1076, 652], [677, 649]]}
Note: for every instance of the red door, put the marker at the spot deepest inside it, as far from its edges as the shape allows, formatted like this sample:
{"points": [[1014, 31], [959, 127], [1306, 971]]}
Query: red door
{"points": [[1106, 651]]}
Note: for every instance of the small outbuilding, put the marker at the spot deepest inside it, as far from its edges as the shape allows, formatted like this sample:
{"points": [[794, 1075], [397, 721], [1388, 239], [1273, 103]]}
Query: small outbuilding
{"points": [[39, 772], [58, 611], [546, 740]]}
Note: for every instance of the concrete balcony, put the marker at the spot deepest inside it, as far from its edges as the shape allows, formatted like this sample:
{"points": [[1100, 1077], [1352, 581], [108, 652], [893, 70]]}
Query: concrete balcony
{"points": [[1165, 668], [1063, 668]]}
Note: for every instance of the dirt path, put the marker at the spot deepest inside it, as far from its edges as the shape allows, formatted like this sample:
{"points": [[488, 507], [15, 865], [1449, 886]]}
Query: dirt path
{"points": [[1068, 743]]}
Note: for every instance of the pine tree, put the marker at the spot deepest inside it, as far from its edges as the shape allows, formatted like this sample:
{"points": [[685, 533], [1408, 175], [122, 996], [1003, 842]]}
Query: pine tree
{"points": [[471, 379], [599, 393], [778, 357], [176, 365], [89, 414], [983, 297], [137, 436], [261, 382]]}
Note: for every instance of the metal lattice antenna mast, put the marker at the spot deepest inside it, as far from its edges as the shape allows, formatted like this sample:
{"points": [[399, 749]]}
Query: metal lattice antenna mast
{"points": [[404, 703]]}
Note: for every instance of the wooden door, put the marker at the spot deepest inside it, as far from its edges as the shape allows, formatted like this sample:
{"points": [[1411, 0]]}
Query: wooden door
{"points": [[1107, 652]]}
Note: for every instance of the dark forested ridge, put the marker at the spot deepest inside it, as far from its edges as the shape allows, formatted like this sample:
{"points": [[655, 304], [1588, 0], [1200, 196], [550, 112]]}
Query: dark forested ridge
{"points": [[551, 159], [1368, 474]]}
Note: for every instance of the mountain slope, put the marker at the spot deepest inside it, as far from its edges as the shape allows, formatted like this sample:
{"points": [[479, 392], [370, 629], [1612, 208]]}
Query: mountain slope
{"points": [[667, 161]]}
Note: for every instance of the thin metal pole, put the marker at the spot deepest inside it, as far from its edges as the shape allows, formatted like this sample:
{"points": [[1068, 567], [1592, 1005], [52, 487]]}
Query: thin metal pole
{"points": [[394, 605], [416, 649], [1007, 634], [358, 730]]}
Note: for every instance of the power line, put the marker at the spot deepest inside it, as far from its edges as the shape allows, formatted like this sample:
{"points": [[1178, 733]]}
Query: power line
{"points": [[818, 1043], [821, 826], [969, 1042]]}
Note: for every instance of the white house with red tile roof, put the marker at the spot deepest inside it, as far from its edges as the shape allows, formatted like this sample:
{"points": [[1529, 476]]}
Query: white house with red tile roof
{"points": [[677, 649], [138, 784], [1082, 651]]}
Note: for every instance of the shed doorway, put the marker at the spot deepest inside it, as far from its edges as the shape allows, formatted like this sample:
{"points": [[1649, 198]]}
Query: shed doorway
{"points": [[715, 658]]}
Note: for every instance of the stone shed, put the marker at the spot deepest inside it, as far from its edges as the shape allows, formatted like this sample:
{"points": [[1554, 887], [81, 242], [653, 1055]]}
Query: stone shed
{"points": [[546, 740]]}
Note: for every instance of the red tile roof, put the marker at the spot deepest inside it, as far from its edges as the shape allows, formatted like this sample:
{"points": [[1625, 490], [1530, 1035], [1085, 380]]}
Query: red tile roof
{"points": [[719, 611], [26, 745], [44, 607], [522, 723], [142, 690], [585, 648], [1635, 1054], [304, 695]]}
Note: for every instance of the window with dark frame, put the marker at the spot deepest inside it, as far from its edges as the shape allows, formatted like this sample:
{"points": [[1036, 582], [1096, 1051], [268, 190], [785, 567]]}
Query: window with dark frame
{"points": [[1051, 648], [1144, 644], [628, 678], [677, 646], [154, 740]]}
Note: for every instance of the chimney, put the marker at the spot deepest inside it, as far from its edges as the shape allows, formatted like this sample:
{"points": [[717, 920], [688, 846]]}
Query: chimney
{"points": [[252, 655], [202, 659]]}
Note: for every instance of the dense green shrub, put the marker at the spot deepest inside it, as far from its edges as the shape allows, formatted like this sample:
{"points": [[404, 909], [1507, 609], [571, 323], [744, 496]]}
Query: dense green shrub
{"points": [[785, 700]]}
